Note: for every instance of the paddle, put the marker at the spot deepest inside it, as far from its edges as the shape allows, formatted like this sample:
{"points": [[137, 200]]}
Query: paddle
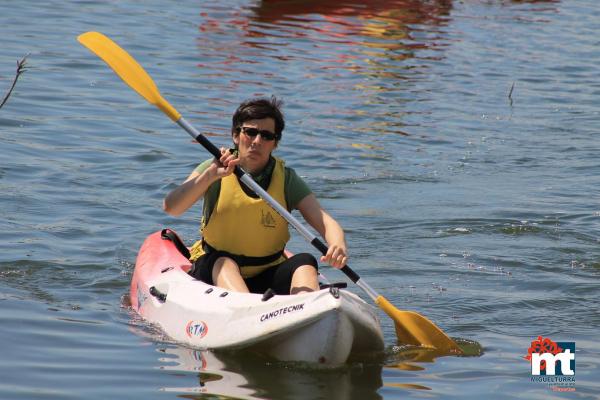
{"points": [[411, 328]]}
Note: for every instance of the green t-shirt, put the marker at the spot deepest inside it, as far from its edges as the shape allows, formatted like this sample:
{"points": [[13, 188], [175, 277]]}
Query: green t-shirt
{"points": [[295, 189]]}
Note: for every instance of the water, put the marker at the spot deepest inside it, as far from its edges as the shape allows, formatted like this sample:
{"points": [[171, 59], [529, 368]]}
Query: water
{"points": [[453, 140]]}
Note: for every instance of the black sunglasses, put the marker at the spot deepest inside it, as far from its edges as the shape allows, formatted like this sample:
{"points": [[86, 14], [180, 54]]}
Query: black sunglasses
{"points": [[266, 135]]}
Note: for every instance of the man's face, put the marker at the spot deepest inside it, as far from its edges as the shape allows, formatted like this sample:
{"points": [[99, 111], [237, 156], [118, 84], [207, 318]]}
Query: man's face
{"points": [[254, 151]]}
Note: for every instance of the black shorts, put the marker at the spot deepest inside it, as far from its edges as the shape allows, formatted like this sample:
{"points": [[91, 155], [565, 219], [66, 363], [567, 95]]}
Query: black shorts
{"points": [[278, 277]]}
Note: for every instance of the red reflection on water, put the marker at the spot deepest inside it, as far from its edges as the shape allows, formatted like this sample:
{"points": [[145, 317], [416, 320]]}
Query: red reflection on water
{"points": [[353, 22], [326, 21], [343, 34], [409, 11]]}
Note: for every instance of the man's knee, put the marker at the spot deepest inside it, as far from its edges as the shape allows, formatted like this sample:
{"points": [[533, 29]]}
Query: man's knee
{"points": [[304, 279]]}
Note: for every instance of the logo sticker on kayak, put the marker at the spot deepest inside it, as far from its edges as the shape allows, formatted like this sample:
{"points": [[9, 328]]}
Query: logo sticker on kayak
{"points": [[281, 311], [196, 329]]}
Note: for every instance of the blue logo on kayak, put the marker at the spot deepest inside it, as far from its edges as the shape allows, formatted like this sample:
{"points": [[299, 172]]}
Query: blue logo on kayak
{"points": [[141, 297], [197, 329]]}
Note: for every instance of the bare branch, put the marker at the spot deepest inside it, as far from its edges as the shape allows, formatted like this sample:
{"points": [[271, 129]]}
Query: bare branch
{"points": [[21, 68]]}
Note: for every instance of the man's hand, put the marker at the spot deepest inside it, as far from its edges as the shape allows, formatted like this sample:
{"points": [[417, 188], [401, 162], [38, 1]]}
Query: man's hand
{"points": [[225, 165], [336, 256]]}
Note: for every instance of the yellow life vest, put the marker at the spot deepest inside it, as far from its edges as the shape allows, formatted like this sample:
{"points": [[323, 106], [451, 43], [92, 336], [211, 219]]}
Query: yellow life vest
{"points": [[246, 226]]}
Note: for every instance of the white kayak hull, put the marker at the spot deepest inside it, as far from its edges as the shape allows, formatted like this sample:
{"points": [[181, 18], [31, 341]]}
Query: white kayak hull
{"points": [[322, 327]]}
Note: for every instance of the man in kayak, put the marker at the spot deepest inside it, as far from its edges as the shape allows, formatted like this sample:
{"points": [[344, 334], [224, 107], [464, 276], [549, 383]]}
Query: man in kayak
{"points": [[243, 238]]}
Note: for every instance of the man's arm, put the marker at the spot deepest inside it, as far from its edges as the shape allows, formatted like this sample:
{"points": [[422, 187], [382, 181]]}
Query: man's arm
{"points": [[329, 229], [193, 188]]}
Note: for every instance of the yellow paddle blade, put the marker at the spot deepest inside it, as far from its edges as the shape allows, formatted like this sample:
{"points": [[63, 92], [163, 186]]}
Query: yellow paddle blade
{"points": [[128, 69], [413, 328]]}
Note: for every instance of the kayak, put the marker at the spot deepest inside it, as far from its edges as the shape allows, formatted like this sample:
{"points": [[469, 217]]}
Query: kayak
{"points": [[325, 326]]}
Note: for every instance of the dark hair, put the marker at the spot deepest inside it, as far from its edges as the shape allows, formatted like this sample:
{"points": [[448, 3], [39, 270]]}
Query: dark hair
{"points": [[259, 108]]}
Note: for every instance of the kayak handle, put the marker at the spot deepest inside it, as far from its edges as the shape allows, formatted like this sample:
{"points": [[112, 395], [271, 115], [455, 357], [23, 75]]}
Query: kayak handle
{"points": [[162, 297]]}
